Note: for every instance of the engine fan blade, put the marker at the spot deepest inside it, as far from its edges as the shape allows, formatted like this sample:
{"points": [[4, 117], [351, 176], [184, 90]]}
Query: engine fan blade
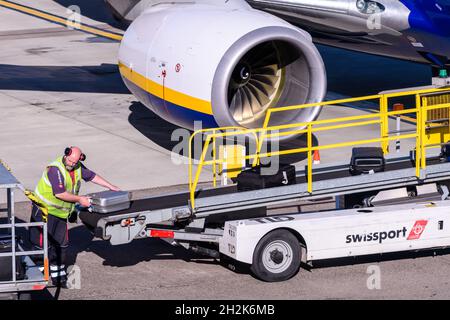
{"points": [[247, 104], [250, 96], [236, 106], [255, 103], [266, 88], [267, 79]]}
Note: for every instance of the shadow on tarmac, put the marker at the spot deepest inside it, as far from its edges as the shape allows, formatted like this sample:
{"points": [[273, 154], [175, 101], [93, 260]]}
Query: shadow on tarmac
{"points": [[137, 251], [392, 256], [94, 9], [155, 249], [353, 74], [104, 78], [145, 250], [349, 74], [152, 126], [160, 132]]}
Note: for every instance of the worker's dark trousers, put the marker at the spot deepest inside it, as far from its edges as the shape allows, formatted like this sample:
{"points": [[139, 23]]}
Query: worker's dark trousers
{"points": [[58, 240]]}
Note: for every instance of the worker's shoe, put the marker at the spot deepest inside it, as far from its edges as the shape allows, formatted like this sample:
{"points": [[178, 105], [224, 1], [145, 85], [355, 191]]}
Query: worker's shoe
{"points": [[60, 282], [59, 276]]}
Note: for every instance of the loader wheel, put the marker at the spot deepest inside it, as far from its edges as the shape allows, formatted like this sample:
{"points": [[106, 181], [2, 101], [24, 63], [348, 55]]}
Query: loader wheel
{"points": [[277, 256]]}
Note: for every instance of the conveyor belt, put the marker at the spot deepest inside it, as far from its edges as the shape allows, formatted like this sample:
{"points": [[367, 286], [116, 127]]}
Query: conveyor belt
{"points": [[391, 165], [181, 199], [155, 203]]}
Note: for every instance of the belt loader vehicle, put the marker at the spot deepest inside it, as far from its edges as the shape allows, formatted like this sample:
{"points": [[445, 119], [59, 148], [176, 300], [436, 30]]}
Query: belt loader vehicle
{"points": [[238, 225], [404, 207]]}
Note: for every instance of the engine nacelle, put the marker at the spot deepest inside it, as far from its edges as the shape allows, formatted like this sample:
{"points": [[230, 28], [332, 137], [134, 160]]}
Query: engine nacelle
{"points": [[223, 64]]}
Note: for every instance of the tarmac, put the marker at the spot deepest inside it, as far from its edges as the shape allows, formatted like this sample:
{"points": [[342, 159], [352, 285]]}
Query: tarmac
{"points": [[61, 87]]}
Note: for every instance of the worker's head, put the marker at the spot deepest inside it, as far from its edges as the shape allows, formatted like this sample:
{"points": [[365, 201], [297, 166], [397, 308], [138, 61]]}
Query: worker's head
{"points": [[72, 157]]}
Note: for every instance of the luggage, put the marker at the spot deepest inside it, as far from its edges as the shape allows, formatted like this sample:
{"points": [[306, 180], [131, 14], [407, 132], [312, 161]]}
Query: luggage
{"points": [[110, 201], [367, 160], [412, 157], [445, 152], [252, 179], [6, 262]]}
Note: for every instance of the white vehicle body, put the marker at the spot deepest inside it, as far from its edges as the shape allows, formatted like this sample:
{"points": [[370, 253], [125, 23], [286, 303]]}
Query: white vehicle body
{"points": [[345, 233]]}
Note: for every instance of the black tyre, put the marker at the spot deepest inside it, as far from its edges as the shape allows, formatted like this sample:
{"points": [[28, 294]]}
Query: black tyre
{"points": [[277, 256]]}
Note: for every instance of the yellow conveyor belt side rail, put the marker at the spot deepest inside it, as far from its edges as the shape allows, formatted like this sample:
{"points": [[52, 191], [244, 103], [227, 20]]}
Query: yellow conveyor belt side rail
{"points": [[430, 115]]}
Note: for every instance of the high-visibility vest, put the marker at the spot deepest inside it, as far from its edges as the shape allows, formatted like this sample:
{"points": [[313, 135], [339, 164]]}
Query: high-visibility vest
{"points": [[44, 191]]}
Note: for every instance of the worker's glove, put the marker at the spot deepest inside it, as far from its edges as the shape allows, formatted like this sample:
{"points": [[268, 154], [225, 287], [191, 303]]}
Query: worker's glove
{"points": [[85, 201], [73, 217]]}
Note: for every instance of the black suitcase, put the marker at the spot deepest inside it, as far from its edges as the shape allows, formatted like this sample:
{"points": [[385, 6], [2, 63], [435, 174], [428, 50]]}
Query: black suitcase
{"points": [[367, 159], [254, 178], [6, 262], [445, 152]]}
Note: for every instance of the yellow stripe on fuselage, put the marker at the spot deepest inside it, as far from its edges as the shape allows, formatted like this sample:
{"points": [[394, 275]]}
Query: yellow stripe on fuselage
{"points": [[64, 21], [175, 97]]}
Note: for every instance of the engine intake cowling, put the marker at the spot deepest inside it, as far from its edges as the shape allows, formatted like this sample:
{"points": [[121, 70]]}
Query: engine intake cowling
{"points": [[222, 65]]}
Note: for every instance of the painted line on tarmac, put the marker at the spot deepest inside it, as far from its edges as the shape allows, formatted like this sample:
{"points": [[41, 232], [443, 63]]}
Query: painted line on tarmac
{"points": [[66, 22]]}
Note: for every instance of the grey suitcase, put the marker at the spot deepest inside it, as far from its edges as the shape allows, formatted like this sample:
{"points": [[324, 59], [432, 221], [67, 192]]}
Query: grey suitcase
{"points": [[110, 201]]}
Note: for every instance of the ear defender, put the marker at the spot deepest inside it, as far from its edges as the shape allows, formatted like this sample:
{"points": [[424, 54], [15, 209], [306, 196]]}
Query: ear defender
{"points": [[68, 152]]}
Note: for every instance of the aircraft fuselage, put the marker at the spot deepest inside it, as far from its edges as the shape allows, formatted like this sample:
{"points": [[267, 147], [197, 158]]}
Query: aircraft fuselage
{"points": [[416, 30]]}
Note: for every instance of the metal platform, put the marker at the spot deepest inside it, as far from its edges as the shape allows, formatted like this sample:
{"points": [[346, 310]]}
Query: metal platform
{"points": [[34, 279]]}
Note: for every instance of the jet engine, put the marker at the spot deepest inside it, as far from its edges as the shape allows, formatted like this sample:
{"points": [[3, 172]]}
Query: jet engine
{"points": [[221, 63]]}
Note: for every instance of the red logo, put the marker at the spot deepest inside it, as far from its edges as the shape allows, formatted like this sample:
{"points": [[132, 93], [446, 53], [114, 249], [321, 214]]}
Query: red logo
{"points": [[417, 230], [178, 67]]}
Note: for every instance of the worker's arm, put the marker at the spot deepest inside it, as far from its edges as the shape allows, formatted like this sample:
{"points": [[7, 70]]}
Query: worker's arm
{"points": [[56, 179], [91, 176], [102, 182], [69, 197]]}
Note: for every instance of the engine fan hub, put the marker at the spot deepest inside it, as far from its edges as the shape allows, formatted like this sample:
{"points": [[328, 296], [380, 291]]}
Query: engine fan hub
{"points": [[242, 74]]}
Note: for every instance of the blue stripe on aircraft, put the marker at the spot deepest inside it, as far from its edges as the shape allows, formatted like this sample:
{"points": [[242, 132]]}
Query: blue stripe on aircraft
{"points": [[432, 16]]}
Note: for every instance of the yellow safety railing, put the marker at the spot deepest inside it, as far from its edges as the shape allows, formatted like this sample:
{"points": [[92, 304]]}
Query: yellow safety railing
{"points": [[309, 128], [214, 131]]}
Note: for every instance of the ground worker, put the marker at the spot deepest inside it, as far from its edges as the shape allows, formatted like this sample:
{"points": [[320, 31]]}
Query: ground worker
{"points": [[58, 189]]}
